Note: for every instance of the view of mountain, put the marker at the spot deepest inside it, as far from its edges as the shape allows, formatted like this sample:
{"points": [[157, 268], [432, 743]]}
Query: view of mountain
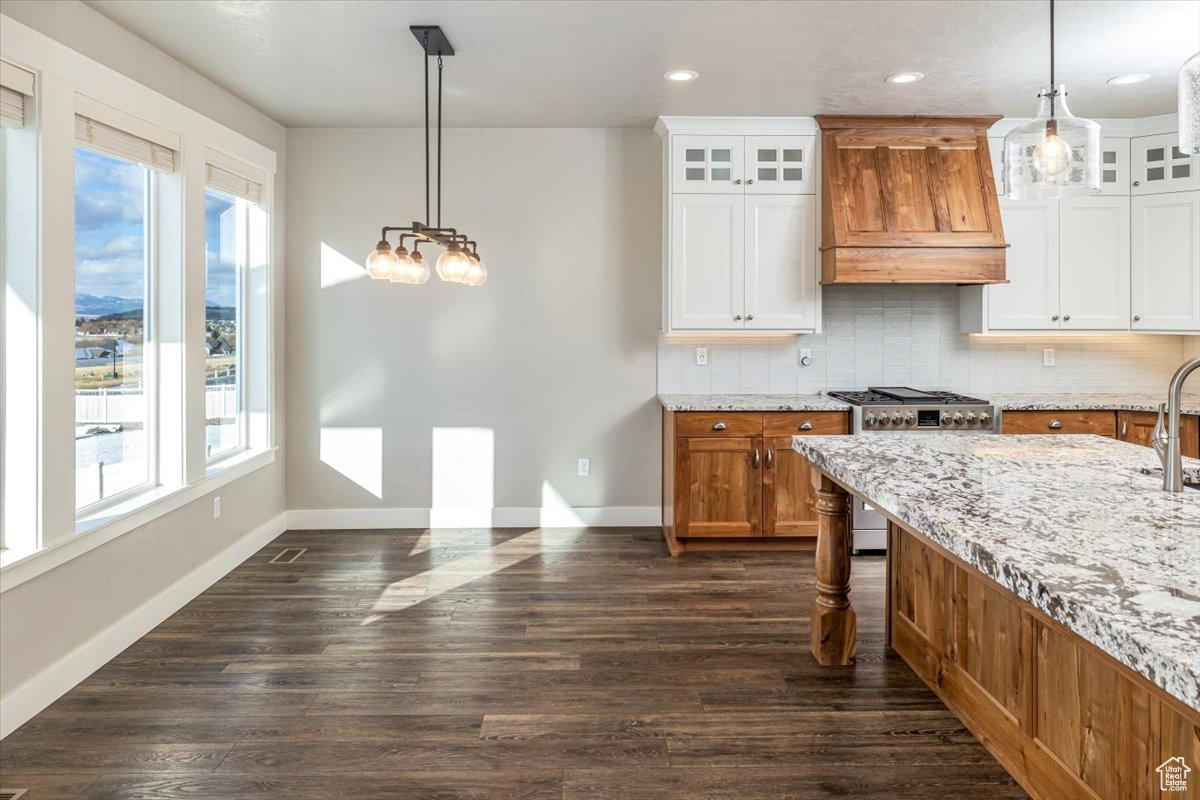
{"points": [[90, 306]]}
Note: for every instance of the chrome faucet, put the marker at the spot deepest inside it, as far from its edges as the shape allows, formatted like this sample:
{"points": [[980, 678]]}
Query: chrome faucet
{"points": [[1166, 436]]}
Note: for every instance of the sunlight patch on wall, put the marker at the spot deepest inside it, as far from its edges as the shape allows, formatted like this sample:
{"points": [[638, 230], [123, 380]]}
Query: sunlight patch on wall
{"points": [[337, 268], [356, 453], [556, 512], [463, 477]]}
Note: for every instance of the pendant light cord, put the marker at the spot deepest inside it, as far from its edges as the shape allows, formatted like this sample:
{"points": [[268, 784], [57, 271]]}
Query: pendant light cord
{"points": [[1053, 85], [426, 47], [439, 142]]}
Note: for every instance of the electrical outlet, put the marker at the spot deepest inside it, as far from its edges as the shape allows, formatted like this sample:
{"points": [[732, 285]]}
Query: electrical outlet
{"points": [[805, 356], [216, 508], [701, 356], [585, 467], [1047, 358]]}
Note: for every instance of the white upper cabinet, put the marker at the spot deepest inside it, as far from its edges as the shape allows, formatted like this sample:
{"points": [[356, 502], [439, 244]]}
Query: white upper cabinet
{"points": [[1093, 263], [781, 272], [1166, 262], [1029, 301], [707, 164], [1114, 166], [707, 262], [742, 215], [780, 165], [1160, 166]]}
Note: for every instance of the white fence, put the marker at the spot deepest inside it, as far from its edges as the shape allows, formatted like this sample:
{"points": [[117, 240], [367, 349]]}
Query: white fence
{"points": [[128, 405]]}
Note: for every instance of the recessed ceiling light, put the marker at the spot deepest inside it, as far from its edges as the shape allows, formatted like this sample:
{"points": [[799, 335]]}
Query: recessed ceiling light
{"points": [[1125, 80], [906, 77], [681, 75]]}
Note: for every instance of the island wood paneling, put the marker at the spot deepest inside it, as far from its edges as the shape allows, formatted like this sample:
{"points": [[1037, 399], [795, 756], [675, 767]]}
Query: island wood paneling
{"points": [[1065, 719]]}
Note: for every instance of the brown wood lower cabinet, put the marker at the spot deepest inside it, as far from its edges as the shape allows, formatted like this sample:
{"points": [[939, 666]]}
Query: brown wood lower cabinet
{"points": [[1065, 719], [1137, 427], [1128, 426], [733, 480]]}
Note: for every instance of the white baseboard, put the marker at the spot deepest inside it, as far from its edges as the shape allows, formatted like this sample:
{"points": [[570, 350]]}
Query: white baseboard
{"points": [[22, 703], [528, 517]]}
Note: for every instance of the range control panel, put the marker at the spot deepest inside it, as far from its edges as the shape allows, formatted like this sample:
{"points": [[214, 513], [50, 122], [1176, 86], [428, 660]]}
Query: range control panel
{"points": [[931, 418]]}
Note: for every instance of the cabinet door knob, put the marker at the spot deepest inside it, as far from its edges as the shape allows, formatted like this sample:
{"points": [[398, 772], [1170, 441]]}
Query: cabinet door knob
{"points": [[749, 316], [1054, 318], [737, 316], [1067, 318], [1137, 318], [737, 181], [719, 426], [1137, 183], [750, 180], [1054, 424], [755, 462], [806, 426]]}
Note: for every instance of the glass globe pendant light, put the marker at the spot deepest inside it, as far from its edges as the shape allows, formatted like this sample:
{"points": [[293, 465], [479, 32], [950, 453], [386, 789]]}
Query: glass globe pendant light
{"points": [[407, 270], [453, 264], [477, 272], [381, 262], [1056, 154], [1189, 106]]}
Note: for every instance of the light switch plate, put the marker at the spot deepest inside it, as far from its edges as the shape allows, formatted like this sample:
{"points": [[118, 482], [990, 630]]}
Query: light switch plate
{"points": [[585, 467], [1047, 358], [701, 356], [216, 508]]}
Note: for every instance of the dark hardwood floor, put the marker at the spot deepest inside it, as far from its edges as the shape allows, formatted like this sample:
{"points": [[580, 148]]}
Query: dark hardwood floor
{"points": [[502, 664]]}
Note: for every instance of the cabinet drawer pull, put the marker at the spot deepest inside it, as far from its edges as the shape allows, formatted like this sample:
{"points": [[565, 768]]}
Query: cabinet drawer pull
{"points": [[1124, 428], [1054, 424], [755, 462], [806, 426], [718, 426], [770, 458]]}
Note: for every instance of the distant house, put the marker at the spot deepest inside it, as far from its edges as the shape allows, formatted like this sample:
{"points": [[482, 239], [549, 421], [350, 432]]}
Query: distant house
{"points": [[90, 355], [219, 346]]}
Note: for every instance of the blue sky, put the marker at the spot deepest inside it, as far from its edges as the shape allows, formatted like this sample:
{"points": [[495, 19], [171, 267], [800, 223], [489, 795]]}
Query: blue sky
{"points": [[109, 208]]}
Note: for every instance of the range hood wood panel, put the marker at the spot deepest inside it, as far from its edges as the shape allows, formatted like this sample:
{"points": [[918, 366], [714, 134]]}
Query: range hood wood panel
{"points": [[909, 200]]}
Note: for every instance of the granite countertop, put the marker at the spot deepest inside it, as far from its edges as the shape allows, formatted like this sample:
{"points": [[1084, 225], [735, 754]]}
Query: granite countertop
{"points": [[751, 402], [1071, 524], [1090, 401]]}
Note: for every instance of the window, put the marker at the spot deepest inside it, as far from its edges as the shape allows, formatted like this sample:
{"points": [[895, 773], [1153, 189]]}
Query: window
{"points": [[225, 243], [114, 425]]}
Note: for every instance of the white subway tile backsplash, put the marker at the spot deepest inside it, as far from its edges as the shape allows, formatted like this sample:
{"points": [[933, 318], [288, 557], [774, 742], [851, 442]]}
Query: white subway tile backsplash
{"points": [[908, 335]]}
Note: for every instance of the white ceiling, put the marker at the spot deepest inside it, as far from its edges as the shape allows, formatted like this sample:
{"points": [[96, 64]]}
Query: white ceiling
{"points": [[597, 63]]}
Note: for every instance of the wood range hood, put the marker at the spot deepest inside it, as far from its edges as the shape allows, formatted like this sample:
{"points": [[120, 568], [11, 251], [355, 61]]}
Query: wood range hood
{"points": [[909, 200]]}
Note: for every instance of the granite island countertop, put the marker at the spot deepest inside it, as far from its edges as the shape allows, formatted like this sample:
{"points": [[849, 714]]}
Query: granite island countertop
{"points": [[751, 402], [1070, 524]]}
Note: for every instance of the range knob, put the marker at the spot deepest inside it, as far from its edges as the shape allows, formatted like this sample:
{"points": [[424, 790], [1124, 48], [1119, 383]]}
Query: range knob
{"points": [[971, 418], [945, 417], [897, 418], [870, 420], [985, 418], [884, 419], [958, 418], [910, 418]]}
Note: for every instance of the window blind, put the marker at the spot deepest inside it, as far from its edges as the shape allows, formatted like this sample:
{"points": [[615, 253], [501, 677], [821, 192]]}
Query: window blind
{"points": [[95, 135], [15, 85], [231, 176]]}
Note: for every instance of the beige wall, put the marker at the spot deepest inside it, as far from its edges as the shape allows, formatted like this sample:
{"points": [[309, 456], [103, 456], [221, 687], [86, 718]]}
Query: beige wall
{"points": [[48, 617], [555, 354]]}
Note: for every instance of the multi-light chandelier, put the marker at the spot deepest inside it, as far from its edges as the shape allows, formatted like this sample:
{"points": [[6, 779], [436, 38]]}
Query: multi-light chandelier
{"points": [[461, 262]]}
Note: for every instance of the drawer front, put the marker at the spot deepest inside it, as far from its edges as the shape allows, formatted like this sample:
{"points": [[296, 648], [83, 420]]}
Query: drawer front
{"points": [[792, 423], [717, 423], [1100, 423]]}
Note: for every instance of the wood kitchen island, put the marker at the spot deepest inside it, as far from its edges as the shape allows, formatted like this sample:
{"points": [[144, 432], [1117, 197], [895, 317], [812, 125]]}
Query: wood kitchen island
{"points": [[1045, 587]]}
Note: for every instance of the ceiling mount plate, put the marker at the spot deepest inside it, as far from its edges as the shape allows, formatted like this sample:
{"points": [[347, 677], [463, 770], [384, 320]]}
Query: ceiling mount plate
{"points": [[437, 43]]}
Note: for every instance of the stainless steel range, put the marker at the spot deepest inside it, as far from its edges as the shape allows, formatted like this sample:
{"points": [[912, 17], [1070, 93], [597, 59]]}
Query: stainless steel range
{"points": [[900, 409]]}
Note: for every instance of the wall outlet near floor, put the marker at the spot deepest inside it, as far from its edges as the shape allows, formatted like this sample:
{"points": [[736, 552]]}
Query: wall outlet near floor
{"points": [[701, 356], [1047, 358], [805, 356], [585, 467], [216, 508]]}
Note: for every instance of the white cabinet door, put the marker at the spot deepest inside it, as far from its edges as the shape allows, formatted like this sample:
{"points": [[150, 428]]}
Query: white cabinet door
{"points": [[707, 164], [1160, 166], [1029, 301], [780, 165], [1166, 262], [781, 262], [707, 262], [1094, 263], [1114, 166]]}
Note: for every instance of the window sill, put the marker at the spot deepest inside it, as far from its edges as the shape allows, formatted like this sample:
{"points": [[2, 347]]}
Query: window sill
{"points": [[102, 527]]}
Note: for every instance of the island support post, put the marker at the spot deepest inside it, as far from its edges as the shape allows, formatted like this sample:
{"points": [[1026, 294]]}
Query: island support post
{"points": [[834, 623]]}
